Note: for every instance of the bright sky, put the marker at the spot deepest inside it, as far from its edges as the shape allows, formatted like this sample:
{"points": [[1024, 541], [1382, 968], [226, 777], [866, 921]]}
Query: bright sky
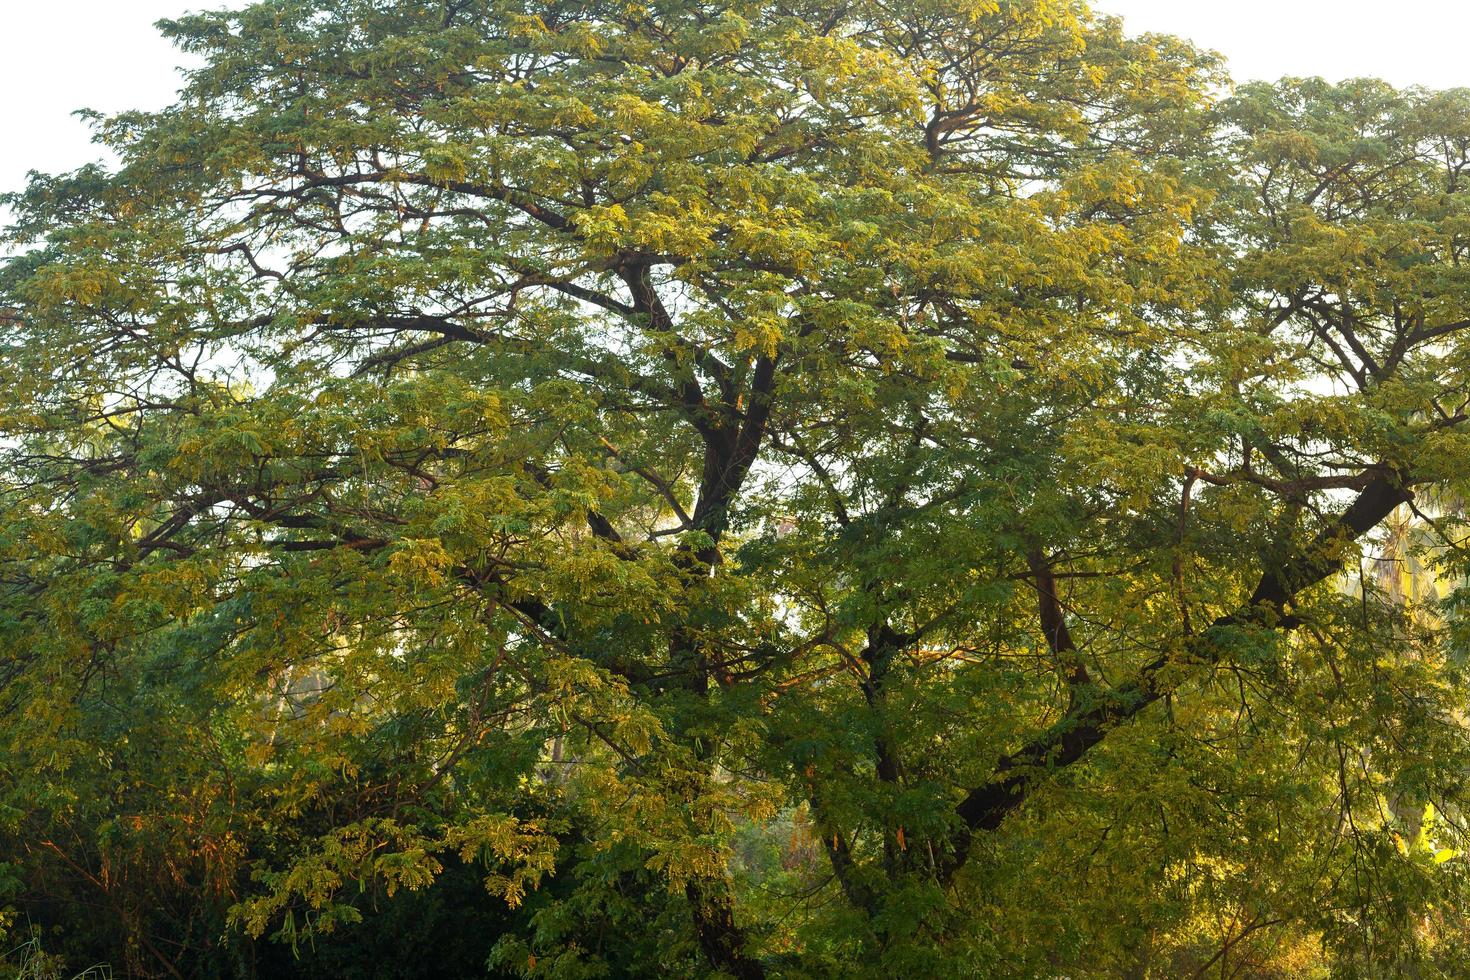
{"points": [[61, 55], [1407, 42]]}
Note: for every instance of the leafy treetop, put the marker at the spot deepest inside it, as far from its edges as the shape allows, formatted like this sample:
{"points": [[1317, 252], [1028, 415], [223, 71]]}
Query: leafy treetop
{"points": [[779, 487]]}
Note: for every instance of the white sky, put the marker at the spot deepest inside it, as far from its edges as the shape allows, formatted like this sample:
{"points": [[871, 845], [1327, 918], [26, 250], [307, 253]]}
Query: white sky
{"points": [[60, 55]]}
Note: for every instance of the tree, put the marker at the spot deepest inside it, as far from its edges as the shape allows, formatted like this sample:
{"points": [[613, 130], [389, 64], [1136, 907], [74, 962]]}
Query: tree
{"points": [[779, 488]]}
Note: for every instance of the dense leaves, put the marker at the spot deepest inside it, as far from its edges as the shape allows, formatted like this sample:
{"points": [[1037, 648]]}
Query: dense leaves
{"points": [[577, 488]]}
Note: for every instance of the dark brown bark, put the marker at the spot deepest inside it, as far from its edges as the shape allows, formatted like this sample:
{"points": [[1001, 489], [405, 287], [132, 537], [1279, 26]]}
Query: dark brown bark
{"points": [[721, 940]]}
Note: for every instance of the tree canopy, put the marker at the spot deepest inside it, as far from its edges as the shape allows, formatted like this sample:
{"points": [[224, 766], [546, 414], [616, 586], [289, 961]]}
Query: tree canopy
{"points": [[748, 488]]}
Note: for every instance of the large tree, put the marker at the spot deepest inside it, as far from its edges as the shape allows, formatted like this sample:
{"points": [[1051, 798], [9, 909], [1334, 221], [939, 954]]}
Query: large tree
{"points": [[771, 487]]}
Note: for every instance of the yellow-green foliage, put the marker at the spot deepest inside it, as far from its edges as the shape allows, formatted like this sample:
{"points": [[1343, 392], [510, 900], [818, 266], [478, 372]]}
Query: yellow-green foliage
{"points": [[677, 488]]}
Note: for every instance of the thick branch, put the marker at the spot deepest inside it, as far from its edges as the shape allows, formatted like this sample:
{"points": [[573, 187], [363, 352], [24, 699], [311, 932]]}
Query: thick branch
{"points": [[1088, 722]]}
